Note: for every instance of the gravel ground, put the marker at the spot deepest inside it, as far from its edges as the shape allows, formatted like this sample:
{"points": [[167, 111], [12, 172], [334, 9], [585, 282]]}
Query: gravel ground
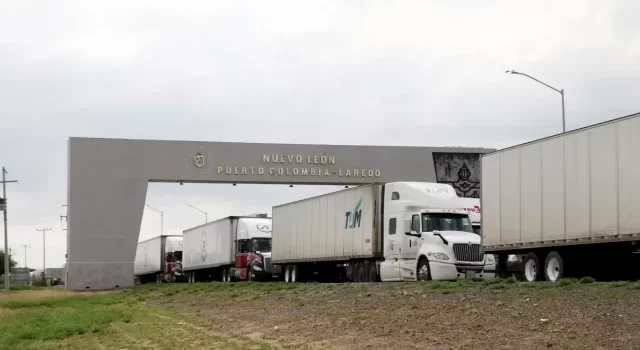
{"points": [[432, 315]]}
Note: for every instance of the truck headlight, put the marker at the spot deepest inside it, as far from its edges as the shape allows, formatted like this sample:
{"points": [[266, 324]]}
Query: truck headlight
{"points": [[491, 258], [438, 256], [256, 267]]}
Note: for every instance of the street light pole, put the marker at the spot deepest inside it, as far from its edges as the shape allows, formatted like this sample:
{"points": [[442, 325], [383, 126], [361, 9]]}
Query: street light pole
{"points": [[561, 91], [206, 220], [3, 207], [25, 254], [159, 212], [44, 253]]}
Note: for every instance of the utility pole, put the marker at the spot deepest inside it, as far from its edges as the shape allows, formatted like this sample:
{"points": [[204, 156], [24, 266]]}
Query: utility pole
{"points": [[25, 246], [3, 207], [44, 255]]}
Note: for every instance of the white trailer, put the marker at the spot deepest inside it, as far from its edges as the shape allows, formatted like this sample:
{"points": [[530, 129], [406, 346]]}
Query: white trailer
{"points": [[567, 205], [389, 232], [231, 248], [159, 259]]}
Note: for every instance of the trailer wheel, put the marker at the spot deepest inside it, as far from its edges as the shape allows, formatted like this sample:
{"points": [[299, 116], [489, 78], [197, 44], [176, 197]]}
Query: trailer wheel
{"points": [[531, 267], [287, 274], [372, 273], [358, 274], [226, 275], [553, 267], [294, 274]]}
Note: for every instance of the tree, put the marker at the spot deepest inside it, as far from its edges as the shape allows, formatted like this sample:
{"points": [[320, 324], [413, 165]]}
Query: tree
{"points": [[12, 263]]}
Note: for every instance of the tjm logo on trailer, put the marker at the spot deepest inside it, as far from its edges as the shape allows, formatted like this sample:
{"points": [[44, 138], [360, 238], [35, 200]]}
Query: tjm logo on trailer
{"points": [[353, 217]]}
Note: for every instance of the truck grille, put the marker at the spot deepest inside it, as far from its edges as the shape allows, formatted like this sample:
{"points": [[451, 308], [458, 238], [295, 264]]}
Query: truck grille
{"points": [[268, 267], [468, 252]]}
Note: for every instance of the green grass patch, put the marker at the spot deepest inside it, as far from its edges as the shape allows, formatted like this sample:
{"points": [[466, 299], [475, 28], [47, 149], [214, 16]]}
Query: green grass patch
{"points": [[499, 286], [567, 282], [586, 280], [116, 320], [494, 281], [67, 301], [618, 284], [443, 285], [57, 318]]}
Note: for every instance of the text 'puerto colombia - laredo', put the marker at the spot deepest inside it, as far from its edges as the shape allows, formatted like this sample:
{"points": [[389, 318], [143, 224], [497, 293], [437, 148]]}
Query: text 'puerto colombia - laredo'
{"points": [[298, 165]]}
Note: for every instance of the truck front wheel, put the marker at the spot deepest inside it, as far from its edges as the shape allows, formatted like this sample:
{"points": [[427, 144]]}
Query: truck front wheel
{"points": [[553, 267], [531, 267], [424, 272]]}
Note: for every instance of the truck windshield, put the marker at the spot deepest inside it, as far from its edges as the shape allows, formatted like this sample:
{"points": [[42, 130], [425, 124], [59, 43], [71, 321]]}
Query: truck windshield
{"points": [[174, 256], [261, 244], [446, 222]]}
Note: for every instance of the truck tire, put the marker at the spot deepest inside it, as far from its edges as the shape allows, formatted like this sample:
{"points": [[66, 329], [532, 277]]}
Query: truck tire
{"points": [[287, 274], [294, 274], [424, 271], [553, 267], [226, 275], [372, 272], [249, 278], [359, 272], [531, 268]]}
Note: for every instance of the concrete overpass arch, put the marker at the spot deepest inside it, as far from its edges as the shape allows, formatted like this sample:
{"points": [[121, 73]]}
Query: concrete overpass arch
{"points": [[108, 180]]}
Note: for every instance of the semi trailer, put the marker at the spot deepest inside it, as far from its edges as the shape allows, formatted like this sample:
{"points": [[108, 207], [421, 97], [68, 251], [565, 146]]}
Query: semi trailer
{"points": [[159, 259], [398, 231], [566, 205], [228, 249]]}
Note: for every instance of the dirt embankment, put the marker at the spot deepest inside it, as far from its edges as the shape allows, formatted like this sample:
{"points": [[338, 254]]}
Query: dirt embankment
{"points": [[425, 316]]}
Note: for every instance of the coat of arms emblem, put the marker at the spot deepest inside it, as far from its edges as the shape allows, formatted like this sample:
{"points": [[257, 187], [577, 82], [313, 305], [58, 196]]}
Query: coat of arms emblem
{"points": [[199, 160]]}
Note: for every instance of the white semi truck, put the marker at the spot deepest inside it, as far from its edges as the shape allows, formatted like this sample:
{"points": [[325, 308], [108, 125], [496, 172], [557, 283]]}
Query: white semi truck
{"points": [[398, 231], [567, 205], [159, 259], [231, 248], [472, 206]]}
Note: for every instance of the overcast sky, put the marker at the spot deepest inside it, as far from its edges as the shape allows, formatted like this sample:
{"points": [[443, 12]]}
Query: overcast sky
{"points": [[342, 72]]}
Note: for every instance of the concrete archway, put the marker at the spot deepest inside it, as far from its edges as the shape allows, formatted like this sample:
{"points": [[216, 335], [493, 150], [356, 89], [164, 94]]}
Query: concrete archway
{"points": [[108, 178]]}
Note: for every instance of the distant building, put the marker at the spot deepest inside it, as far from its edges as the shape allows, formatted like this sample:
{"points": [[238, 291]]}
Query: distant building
{"points": [[19, 275], [55, 272]]}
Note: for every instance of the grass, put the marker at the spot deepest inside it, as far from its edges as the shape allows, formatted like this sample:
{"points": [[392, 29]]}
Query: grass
{"points": [[121, 319], [46, 318]]}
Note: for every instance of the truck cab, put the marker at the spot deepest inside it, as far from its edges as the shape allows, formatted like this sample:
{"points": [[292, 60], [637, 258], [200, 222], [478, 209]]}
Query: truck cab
{"points": [[253, 249], [472, 206], [173, 259], [428, 235]]}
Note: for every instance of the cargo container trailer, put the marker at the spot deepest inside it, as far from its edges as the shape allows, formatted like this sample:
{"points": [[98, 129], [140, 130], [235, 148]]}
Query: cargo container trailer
{"points": [[567, 205]]}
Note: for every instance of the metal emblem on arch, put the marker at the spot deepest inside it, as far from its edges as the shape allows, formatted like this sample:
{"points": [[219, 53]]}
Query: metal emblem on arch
{"points": [[199, 161]]}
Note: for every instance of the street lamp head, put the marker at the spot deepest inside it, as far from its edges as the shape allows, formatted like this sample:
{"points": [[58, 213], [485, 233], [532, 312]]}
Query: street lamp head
{"points": [[512, 72]]}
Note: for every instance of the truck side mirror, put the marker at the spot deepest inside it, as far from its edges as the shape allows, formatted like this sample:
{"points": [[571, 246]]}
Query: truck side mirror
{"points": [[407, 226]]}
